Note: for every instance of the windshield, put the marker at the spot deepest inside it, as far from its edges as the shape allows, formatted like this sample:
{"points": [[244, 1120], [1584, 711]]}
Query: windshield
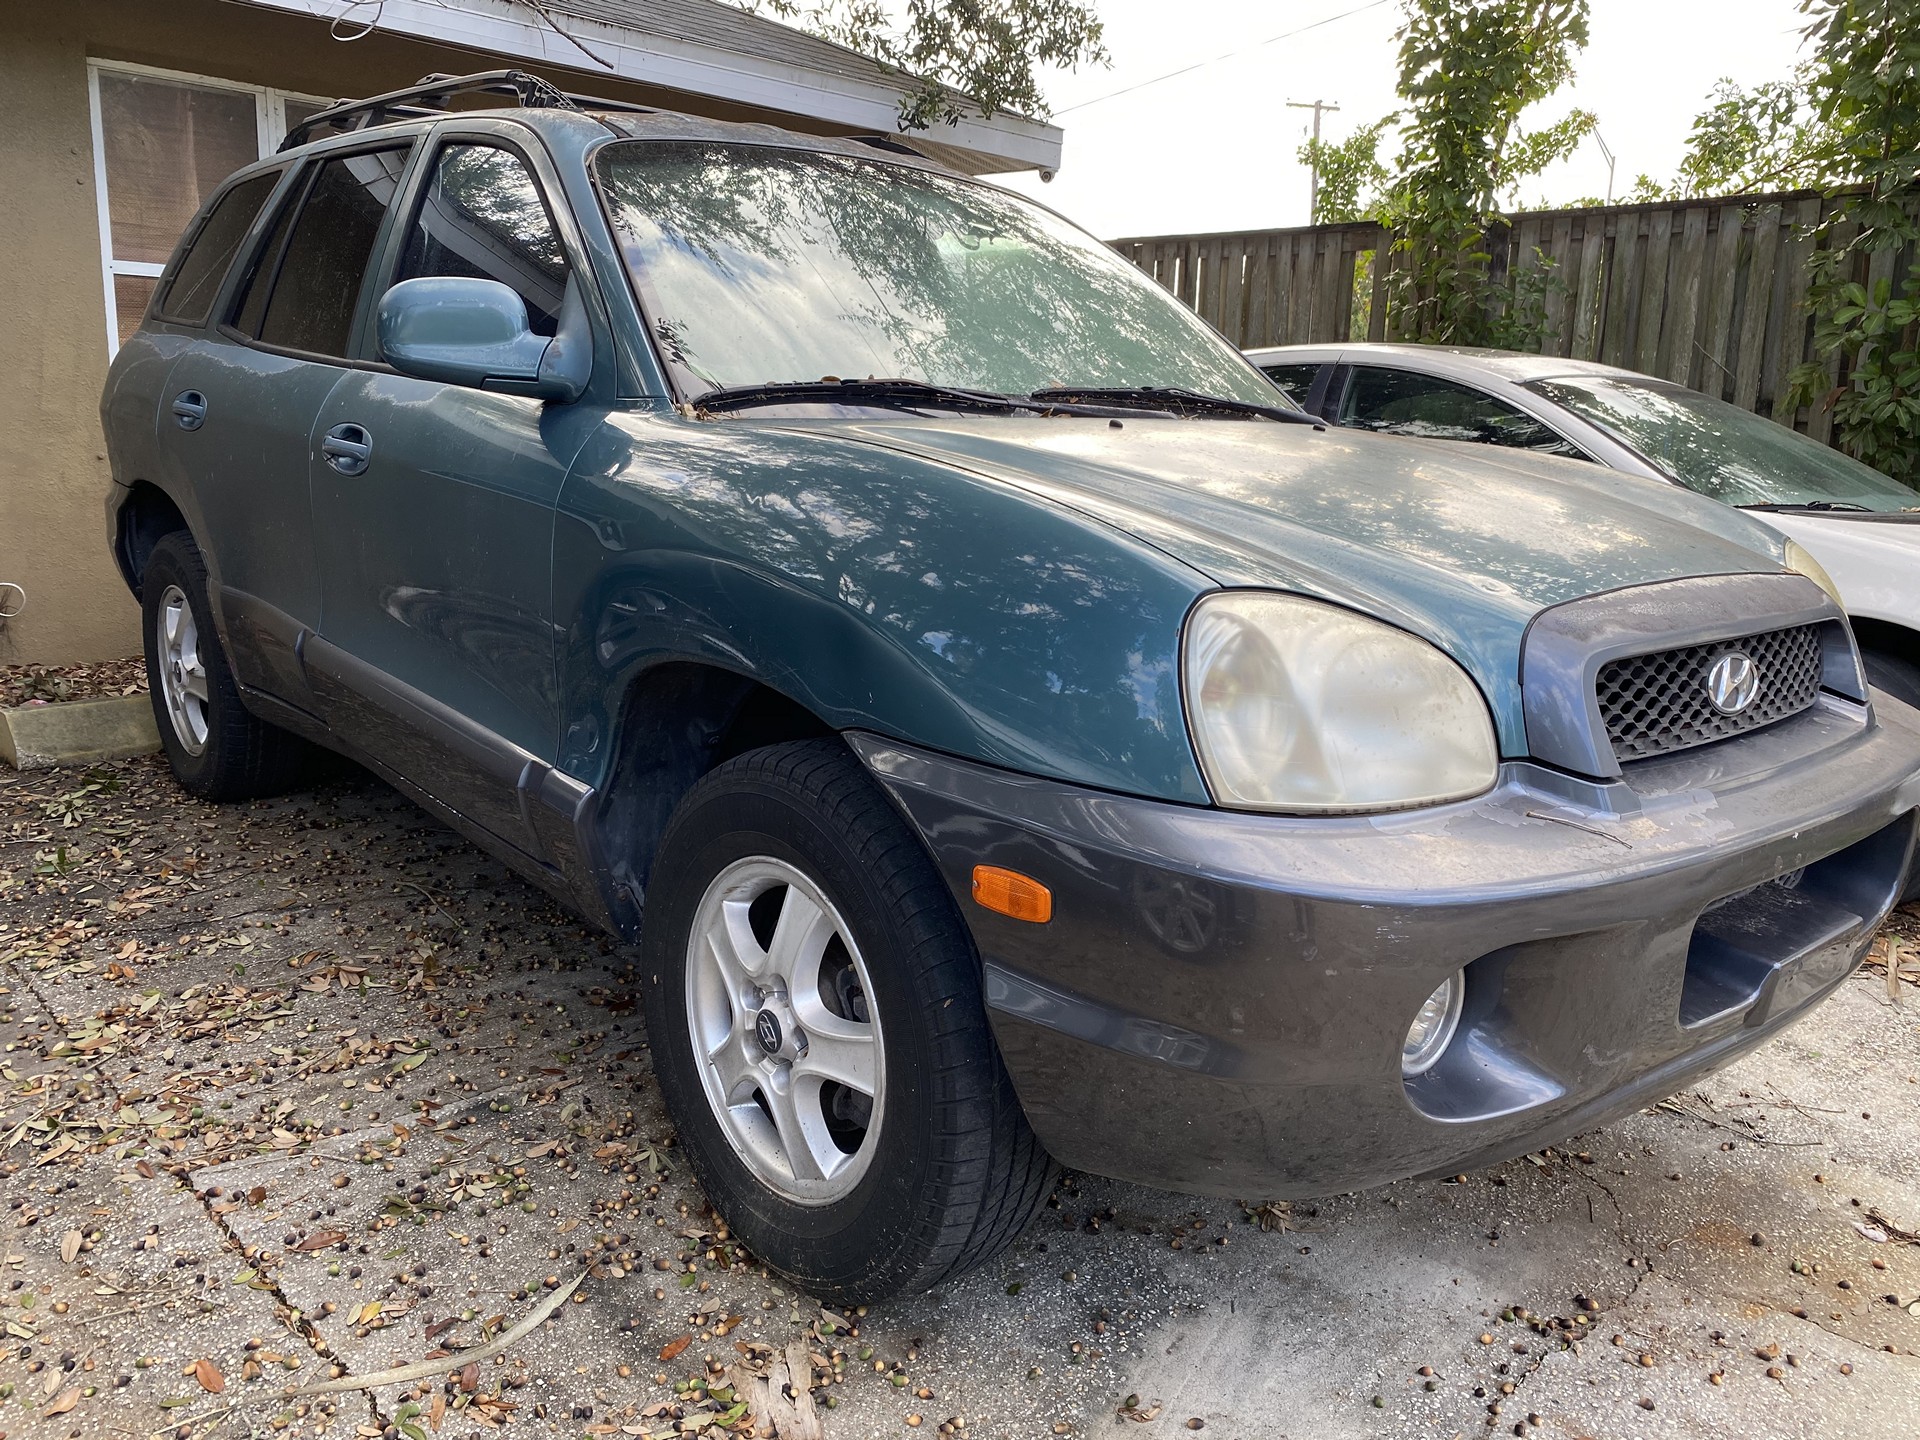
{"points": [[760, 265], [1723, 451]]}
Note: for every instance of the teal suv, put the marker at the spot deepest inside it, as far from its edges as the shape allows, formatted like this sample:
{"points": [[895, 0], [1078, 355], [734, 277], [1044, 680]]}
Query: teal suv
{"points": [[1009, 729]]}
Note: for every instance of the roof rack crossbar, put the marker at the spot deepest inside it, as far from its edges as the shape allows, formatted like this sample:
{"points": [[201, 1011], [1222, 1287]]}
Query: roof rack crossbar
{"points": [[431, 96]]}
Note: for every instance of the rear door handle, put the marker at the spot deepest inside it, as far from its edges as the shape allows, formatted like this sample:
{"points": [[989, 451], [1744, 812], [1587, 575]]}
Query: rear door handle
{"points": [[190, 409], [348, 448]]}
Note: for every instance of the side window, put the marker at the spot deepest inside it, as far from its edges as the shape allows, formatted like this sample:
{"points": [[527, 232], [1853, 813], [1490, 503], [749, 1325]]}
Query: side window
{"points": [[1293, 381], [307, 278], [189, 295], [1404, 403], [482, 217]]}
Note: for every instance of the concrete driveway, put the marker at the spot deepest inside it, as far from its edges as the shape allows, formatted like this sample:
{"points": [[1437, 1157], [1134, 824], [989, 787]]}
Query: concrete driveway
{"points": [[310, 1087]]}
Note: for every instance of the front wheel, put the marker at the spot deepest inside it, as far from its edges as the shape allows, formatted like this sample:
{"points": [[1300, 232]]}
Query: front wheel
{"points": [[1895, 674], [814, 1009]]}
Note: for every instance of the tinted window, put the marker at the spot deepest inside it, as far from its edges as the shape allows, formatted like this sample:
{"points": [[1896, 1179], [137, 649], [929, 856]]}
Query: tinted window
{"points": [[1423, 405], [265, 263], [317, 279], [1293, 381], [190, 294], [482, 217]]}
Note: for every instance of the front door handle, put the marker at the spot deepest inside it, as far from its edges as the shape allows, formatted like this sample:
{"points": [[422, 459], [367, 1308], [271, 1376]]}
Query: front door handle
{"points": [[190, 409], [348, 449]]}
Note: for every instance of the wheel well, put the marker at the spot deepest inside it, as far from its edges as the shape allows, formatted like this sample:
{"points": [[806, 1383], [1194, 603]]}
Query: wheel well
{"points": [[678, 722], [147, 514], [1888, 638]]}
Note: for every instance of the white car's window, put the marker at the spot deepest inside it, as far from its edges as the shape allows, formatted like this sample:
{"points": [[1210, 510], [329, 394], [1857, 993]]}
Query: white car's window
{"points": [[1721, 450], [1427, 407]]}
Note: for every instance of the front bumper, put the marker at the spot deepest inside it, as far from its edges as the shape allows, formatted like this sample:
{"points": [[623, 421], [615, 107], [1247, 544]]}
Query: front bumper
{"points": [[1219, 1001]]}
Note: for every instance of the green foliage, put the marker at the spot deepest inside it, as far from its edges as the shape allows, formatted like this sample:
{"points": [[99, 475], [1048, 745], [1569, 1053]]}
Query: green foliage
{"points": [[1767, 138], [985, 50], [1469, 69], [1865, 82], [1352, 179]]}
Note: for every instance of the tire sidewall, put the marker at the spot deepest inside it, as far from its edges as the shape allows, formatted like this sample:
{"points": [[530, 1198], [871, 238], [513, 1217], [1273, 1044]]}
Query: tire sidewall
{"points": [[176, 561], [854, 1239]]}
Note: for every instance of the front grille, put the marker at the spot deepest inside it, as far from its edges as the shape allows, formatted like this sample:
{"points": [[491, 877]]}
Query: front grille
{"points": [[1655, 704]]}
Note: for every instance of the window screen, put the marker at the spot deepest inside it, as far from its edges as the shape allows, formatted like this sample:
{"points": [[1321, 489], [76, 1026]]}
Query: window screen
{"points": [[482, 217], [1293, 381], [1431, 408], [190, 293], [314, 284]]}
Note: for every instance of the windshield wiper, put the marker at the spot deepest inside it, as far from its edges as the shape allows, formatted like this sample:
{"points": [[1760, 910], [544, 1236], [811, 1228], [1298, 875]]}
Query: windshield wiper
{"points": [[1175, 400], [893, 394], [1844, 505]]}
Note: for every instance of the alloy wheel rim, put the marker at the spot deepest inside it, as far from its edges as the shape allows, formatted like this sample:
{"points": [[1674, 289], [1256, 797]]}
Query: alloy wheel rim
{"points": [[183, 673], [784, 1031]]}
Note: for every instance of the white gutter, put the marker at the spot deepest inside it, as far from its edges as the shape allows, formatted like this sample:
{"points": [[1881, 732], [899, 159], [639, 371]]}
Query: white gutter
{"points": [[509, 29]]}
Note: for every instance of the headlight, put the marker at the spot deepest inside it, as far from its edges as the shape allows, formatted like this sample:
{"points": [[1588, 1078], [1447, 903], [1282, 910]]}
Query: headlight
{"points": [[1300, 706], [1799, 560], [1433, 1027]]}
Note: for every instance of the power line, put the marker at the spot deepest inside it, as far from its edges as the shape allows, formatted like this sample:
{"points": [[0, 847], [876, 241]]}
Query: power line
{"points": [[1202, 64]]}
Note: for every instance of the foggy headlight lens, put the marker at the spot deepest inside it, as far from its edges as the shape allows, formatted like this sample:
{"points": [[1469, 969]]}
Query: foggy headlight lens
{"points": [[1433, 1027], [1303, 707]]}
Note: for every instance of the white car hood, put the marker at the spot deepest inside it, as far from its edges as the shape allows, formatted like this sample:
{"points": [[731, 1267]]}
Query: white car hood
{"points": [[1876, 563]]}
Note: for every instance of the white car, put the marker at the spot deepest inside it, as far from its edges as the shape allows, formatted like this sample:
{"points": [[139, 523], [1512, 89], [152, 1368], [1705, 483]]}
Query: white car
{"points": [[1862, 528]]}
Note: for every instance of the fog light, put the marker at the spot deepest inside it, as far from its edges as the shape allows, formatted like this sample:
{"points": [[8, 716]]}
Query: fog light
{"points": [[1433, 1027]]}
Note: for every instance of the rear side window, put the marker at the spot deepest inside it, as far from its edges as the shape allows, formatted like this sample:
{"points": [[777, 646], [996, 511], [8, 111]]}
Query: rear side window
{"points": [[189, 296], [482, 217], [307, 280]]}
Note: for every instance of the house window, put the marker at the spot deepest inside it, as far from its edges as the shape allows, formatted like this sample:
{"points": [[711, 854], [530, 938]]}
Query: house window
{"points": [[162, 143]]}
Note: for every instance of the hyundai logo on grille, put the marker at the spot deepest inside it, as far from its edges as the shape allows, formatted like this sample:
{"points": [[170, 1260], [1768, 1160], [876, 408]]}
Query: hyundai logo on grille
{"points": [[1733, 682]]}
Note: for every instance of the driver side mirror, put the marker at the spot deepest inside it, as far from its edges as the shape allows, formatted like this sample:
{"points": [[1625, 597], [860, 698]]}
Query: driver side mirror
{"points": [[467, 331]]}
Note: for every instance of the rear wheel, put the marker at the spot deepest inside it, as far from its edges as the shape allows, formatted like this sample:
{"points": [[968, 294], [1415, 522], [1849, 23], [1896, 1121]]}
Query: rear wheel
{"points": [[814, 1009], [218, 749]]}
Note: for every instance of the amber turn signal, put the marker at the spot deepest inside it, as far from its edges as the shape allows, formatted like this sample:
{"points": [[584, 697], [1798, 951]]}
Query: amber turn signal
{"points": [[1011, 893]]}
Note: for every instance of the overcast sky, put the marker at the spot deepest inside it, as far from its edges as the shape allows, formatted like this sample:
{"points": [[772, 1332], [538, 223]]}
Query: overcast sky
{"points": [[1214, 149]]}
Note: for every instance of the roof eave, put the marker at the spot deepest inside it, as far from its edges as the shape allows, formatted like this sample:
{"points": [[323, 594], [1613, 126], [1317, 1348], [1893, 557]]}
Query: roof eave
{"points": [[983, 143]]}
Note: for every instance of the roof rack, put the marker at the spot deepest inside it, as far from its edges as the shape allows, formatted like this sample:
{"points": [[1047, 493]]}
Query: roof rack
{"points": [[430, 96]]}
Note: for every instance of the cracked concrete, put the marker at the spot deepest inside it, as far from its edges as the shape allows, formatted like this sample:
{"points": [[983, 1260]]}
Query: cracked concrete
{"points": [[311, 1085]]}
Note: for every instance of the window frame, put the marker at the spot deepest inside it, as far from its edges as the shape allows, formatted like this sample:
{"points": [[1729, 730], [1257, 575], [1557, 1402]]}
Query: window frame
{"points": [[270, 127]]}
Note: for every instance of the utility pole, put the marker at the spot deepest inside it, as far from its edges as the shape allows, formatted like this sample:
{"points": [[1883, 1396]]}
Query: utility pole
{"points": [[1318, 107]]}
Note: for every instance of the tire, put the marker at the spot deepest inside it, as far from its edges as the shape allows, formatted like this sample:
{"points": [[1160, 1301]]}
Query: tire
{"points": [[218, 749], [938, 1169], [1895, 674]]}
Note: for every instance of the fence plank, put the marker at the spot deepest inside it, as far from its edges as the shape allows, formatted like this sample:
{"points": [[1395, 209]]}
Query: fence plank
{"points": [[1560, 297], [1326, 292], [1723, 270], [1795, 325], [1750, 359], [1683, 304], [1585, 344], [1655, 261]]}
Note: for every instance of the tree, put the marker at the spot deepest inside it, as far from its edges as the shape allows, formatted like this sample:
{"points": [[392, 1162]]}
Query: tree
{"points": [[985, 50], [1469, 69], [1352, 179], [1766, 138], [1864, 79]]}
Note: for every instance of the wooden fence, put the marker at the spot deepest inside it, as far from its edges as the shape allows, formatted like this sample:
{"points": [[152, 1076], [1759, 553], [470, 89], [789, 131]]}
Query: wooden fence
{"points": [[1710, 293]]}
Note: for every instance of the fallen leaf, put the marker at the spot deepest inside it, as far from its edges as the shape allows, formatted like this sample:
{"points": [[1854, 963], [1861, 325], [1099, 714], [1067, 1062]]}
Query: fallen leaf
{"points": [[320, 1240], [63, 1402], [673, 1347], [70, 1246], [209, 1376], [469, 1377]]}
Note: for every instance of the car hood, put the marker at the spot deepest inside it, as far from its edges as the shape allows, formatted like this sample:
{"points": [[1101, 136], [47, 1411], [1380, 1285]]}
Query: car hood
{"points": [[1874, 559], [1461, 544]]}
